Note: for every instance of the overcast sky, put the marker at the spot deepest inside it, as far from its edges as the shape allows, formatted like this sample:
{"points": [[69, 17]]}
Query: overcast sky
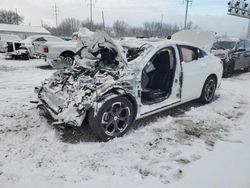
{"points": [[207, 14]]}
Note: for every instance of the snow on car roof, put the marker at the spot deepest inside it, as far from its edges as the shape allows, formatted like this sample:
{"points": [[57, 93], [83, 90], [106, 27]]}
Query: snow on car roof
{"points": [[23, 28], [155, 42]]}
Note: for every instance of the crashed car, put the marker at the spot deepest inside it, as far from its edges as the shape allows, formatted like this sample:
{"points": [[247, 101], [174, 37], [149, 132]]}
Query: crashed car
{"points": [[234, 53], [5, 38], [25, 49], [112, 84]]}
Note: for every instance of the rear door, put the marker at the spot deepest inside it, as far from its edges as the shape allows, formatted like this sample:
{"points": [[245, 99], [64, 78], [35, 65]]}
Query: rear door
{"points": [[194, 71]]}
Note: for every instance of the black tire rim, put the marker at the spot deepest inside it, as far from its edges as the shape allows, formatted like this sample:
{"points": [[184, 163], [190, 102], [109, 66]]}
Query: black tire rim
{"points": [[68, 61], [116, 119], [210, 90]]}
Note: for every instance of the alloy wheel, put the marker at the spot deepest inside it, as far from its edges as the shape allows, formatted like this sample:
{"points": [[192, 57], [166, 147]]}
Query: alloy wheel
{"points": [[116, 119], [210, 90]]}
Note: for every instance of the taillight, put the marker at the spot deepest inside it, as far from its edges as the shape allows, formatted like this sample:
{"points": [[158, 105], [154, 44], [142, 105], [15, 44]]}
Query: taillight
{"points": [[46, 49]]}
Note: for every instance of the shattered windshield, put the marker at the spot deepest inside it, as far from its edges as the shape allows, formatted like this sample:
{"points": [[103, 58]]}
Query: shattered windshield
{"points": [[100, 51], [134, 52], [224, 45]]}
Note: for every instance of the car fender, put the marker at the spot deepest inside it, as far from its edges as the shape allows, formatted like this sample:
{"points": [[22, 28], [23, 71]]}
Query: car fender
{"points": [[114, 92]]}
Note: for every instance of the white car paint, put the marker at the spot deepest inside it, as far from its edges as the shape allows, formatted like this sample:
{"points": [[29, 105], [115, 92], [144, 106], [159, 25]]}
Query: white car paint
{"points": [[195, 74], [203, 39], [7, 38], [30, 42], [56, 49], [89, 84]]}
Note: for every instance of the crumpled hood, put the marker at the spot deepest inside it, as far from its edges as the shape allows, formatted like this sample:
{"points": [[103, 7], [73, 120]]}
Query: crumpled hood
{"points": [[76, 85], [101, 41]]}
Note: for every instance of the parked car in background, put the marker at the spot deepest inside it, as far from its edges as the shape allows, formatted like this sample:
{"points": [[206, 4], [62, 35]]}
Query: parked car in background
{"points": [[25, 49], [234, 53], [117, 86], [4, 38], [60, 55]]}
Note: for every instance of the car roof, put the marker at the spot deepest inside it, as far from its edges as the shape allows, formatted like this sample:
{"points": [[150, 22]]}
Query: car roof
{"points": [[155, 42]]}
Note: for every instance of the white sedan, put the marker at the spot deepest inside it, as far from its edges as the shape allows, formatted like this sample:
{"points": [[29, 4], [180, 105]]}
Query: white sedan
{"points": [[131, 79]]}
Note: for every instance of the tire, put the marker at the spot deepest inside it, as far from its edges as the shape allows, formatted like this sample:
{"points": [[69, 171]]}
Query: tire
{"points": [[68, 59], [208, 90], [26, 56], [229, 70], [113, 119], [247, 69]]}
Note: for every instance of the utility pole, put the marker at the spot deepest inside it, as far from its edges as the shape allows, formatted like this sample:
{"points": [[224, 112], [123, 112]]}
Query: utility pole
{"points": [[161, 24], [103, 21], [188, 3], [91, 13], [17, 22], [56, 11]]}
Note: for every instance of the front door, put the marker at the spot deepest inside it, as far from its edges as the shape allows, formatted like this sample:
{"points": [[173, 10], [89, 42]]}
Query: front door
{"points": [[160, 81]]}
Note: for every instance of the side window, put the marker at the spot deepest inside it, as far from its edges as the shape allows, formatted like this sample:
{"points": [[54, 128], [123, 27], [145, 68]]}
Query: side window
{"points": [[247, 45], [189, 54], [41, 39], [49, 38], [241, 45], [201, 53]]}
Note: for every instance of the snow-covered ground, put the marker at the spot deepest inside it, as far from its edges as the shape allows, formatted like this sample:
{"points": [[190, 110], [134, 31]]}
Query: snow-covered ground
{"points": [[189, 146]]}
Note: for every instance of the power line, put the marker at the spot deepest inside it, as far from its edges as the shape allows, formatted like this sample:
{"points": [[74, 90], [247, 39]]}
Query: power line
{"points": [[56, 12], [188, 3]]}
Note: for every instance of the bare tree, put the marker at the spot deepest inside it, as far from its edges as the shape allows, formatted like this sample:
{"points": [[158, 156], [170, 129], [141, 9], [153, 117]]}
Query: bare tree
{"points": [[190, 25], [10, 17], [68, 26], [121, 28], [93, 26]]}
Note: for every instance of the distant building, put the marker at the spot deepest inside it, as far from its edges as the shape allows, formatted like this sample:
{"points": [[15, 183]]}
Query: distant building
{"points": [[23, 31]]}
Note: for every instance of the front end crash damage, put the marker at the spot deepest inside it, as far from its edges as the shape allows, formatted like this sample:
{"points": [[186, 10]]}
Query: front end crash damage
{"points": [[69, 94], [16, 50]]}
